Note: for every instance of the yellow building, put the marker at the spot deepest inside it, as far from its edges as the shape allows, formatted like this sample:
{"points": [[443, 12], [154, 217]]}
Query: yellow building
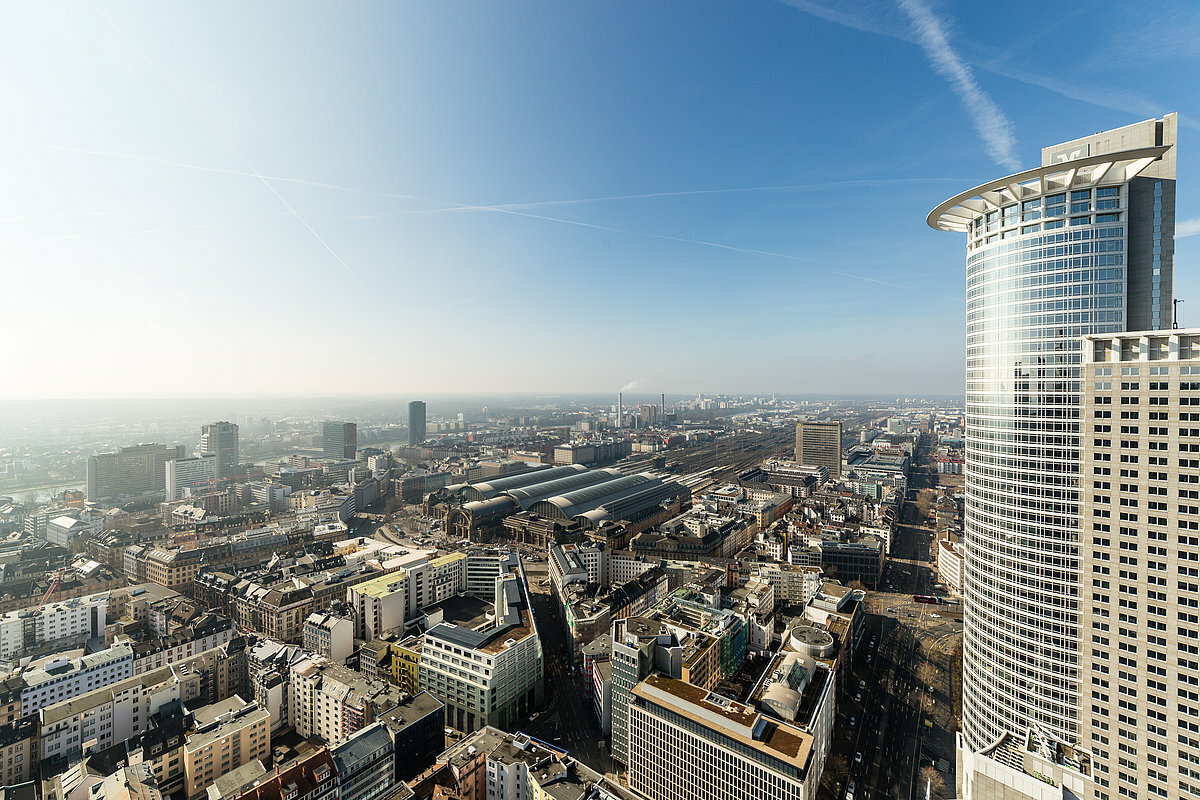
{"points": [[406, 656]]}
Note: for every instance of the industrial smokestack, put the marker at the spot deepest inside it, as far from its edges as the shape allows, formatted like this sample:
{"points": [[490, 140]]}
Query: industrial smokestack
{"points": [[620, 411]]}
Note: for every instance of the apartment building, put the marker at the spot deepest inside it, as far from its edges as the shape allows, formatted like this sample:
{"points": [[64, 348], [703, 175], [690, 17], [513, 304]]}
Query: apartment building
{"points": [[268, 679], [493, 765], [63, 678], [277, 611], [18, 751], [329, 635], [309, 777], [98, 719], [79, 618], [332, 702], [793, 584], [227, 735]]}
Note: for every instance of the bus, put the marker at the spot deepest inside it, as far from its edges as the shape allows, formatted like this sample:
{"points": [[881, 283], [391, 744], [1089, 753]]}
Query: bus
{"points": [[924, 598]]}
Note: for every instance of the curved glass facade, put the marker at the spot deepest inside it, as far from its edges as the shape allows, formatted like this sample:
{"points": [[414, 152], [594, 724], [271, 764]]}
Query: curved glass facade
{"points": [[1041, 274]]}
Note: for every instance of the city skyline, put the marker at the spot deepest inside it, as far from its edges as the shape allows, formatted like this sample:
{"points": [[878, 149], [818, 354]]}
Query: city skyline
{"points": [[671, 169]]}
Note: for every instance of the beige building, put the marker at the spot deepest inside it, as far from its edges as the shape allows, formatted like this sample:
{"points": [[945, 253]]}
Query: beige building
{"points": [[332, 702], [819, 444], [1140, 562], [228, 734]]}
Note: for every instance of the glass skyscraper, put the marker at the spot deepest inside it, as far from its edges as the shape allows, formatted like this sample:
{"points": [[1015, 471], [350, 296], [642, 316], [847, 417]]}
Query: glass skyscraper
{"points": [[1080, 245]]}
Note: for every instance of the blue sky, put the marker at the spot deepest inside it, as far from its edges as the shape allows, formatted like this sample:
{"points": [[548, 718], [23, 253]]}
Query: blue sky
{"points": [[232, 198]]}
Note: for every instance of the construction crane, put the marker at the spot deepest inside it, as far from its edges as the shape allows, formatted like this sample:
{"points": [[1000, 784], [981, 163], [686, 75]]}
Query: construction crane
{"points": [[55, 586]]}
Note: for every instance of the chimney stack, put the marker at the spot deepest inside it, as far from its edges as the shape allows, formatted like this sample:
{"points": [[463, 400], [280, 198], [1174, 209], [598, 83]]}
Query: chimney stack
{"points": [[620, 412]]}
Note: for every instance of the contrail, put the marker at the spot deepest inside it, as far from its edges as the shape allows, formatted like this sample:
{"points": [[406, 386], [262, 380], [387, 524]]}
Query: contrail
{"points": [[791, 187], [213, 130], [64, 215], [451, 206], [990, 122], [701, 242], [517, 209], [167, 162], [1105, 97]]}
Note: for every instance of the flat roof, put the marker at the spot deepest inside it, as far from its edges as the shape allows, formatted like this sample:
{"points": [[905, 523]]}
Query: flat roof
{"points": [[735, 720]]}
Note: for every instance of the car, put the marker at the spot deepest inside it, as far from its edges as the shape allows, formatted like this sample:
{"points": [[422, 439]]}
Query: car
{"points": [[862, 684], [858, 697], [850, 791], [936, 616], [853, 721], [858, 758]]}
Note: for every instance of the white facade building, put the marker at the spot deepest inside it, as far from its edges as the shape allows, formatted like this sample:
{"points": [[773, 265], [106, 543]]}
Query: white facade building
{"points": [[686, 743], [190, 473], [76, 618], [491, 677], [64, 678], [330, 636]]}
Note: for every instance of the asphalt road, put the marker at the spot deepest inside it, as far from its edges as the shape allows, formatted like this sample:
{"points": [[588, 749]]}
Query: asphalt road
{"points": [[567, 719], [890, 730]]}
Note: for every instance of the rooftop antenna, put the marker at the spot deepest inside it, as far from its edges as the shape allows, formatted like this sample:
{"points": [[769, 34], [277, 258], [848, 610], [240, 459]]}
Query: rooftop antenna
{"points": [[1175, 312]]}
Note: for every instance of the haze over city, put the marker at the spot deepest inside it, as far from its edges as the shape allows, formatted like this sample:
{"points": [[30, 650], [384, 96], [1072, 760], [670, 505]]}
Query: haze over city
{"points": [[382, 198]]}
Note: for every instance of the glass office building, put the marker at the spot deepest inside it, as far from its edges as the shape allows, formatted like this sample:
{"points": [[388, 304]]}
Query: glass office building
{"points": [[1080, 245]]}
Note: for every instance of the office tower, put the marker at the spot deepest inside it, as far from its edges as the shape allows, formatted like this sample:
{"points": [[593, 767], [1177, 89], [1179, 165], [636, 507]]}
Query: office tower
{"points": [[221, 439], [191, 473], [416, 422], [339, 440], [819, 444], [1140, 559], [687, 743], [130, 472], [1080, 245]]}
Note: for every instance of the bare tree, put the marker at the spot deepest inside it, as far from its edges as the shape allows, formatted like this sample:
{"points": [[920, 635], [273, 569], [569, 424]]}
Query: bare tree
{"points": [[928, 674], [937, 784], [836, 771]]}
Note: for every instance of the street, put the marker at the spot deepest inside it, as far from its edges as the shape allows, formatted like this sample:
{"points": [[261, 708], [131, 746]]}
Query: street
{"points": [[901, 672], [567, 718]]}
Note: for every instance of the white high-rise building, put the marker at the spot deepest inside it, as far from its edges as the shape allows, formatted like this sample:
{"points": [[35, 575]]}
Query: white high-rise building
{"points": [[191, 473], [1081, 245]]}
